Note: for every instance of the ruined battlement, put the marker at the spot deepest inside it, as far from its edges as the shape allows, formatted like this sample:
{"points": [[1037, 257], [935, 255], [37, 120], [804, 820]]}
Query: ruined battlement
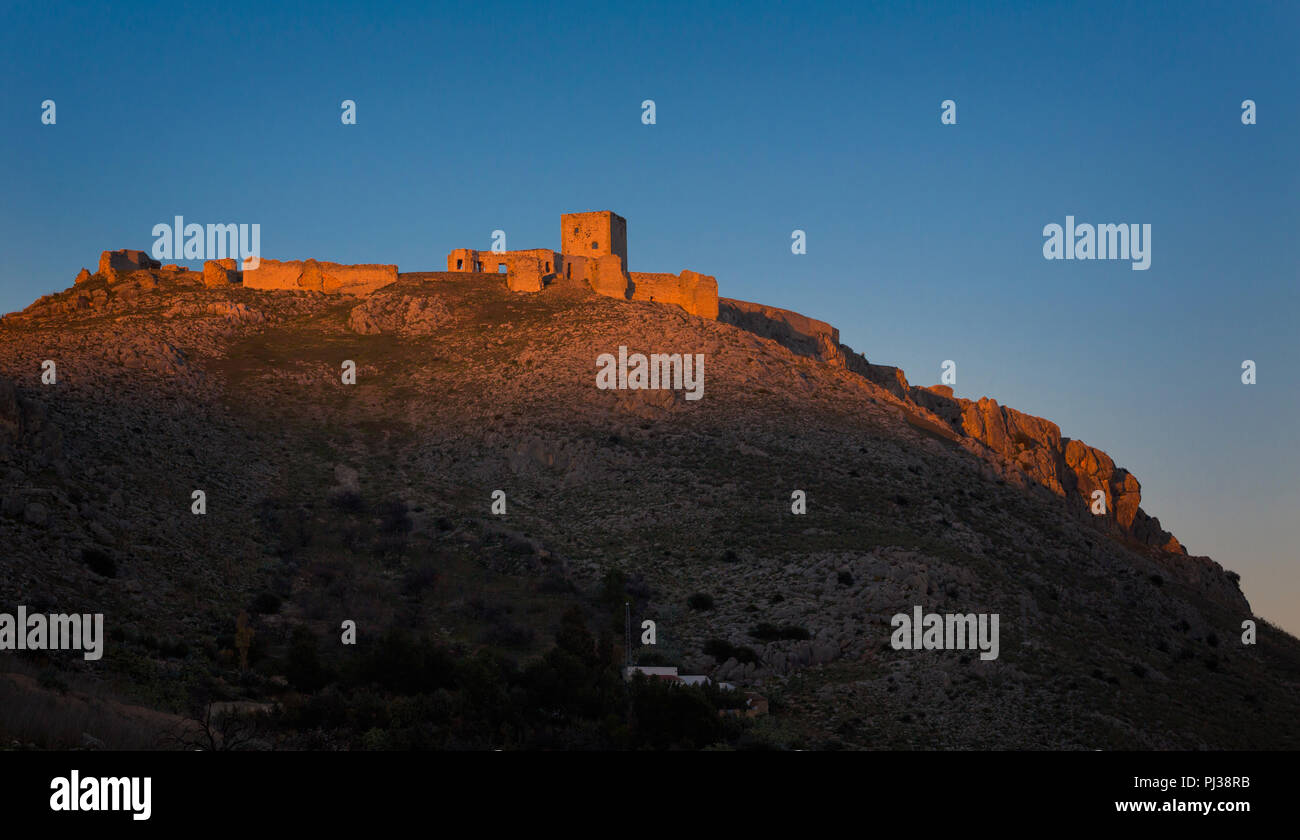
{"points": [[593, 250]]}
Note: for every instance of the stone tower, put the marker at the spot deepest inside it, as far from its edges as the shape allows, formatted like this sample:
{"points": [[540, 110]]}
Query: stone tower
{"points": [[593, 234]]}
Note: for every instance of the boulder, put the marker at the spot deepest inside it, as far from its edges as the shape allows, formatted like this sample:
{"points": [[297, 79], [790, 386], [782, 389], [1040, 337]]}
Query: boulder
{"points": [[82, 276]]}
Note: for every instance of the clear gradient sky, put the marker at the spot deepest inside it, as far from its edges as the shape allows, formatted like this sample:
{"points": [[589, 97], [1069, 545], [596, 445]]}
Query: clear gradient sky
{"points": [[924, 241]]}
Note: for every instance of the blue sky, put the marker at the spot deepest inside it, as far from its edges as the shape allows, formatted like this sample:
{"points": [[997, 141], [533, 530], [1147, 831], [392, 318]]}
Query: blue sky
{"points": [[924, 241]]}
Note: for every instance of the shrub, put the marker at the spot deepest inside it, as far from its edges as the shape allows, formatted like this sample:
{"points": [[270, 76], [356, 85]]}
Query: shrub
{"points": [[394, 519], [613, 588], [722, 650], [99, 562], [555, 583], [303, 668], [347, 500], [503, 632], [700, 601], [419, 578], [266, 603], [768, 632]]}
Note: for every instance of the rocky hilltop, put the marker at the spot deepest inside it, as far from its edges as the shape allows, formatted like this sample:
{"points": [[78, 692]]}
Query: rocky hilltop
{"points": [[372, 502]]}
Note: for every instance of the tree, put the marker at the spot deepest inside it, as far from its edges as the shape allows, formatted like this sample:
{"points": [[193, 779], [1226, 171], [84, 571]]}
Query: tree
{"points": [[243, 639]]}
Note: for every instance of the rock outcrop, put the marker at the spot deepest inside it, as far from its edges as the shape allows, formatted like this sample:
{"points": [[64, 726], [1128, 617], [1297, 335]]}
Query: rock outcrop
{"points": [[403, 314], [1068, 468], [805, 336]]}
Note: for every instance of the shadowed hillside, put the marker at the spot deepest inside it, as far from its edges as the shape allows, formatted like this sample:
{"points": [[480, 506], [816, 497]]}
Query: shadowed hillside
{"points": [[371, 502]]}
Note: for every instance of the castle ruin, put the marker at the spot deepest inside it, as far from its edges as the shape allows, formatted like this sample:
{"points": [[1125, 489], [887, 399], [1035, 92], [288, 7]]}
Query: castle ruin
{"points": [[593, 250]]}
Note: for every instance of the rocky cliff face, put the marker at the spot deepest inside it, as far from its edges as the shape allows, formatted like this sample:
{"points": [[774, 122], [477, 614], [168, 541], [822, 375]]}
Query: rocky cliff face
{"points": [[1068, 468]]}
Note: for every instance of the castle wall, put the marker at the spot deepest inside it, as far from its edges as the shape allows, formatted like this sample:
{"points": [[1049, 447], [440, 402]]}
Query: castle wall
{"points": [[526, 271], [606, 276], [463, 259], [696, 293], [126, 260], [316, 276], [220, 273]]}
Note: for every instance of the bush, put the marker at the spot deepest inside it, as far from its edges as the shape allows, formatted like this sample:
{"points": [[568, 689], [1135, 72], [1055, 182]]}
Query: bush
{"points": [[99, 562], [700, 601], [503, 632], [555, 583], [394, 518], [419, 578], [347, 500], [613, 588], [266, 603], [303, 668], [722, 650], [767, 632]]}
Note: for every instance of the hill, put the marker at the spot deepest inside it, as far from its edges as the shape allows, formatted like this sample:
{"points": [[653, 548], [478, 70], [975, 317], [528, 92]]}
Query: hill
{"points": [[372, 502]]}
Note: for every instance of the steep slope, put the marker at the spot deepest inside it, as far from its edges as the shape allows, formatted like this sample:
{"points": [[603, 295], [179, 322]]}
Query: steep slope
{"points": [[372, 502]]}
